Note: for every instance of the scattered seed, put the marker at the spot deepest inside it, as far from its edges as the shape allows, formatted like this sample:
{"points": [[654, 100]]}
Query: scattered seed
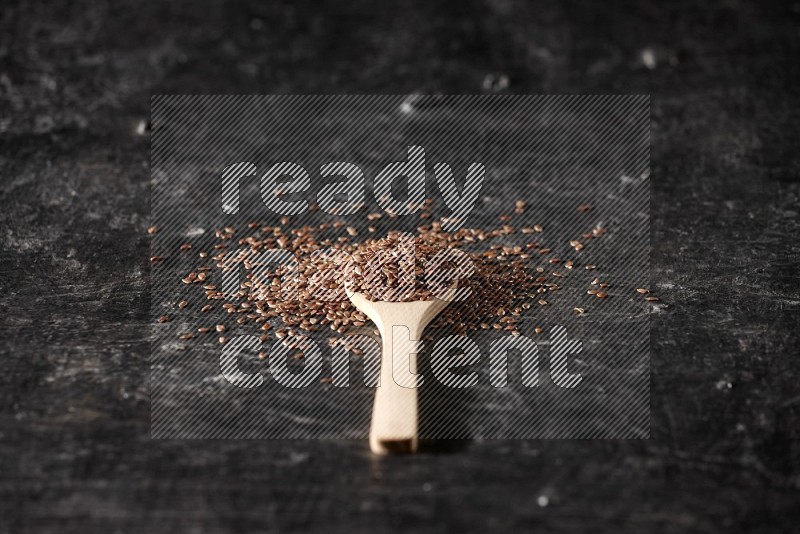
{"points": [[642, 290], [220, 328], [186, 246], [186, 336], [579, 311], [164, 319], [651, 299], [152, 230]]}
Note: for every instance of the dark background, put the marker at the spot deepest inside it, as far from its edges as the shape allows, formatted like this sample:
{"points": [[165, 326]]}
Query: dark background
{"points": [[75, 82]]}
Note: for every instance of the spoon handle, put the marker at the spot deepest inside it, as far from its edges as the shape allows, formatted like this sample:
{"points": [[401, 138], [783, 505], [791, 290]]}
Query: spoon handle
{"points": [[394, 413]]}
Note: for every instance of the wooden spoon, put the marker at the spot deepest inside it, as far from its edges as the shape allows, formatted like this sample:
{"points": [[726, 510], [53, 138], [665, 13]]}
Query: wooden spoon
{"points": [[394, 412]]}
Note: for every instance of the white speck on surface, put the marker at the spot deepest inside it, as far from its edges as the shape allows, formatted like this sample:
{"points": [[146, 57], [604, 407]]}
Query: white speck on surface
{"points": [[192, 232], [542, 501], [495, 82], [141, 127], [648, 57]]}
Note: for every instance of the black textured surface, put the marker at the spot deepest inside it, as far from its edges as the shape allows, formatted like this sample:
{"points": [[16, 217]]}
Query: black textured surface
{"points": [[75, 81]]}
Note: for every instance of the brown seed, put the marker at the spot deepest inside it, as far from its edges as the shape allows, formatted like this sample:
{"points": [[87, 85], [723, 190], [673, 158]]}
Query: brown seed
{"points": [[584, 208], [579, 311], [152, 230], [207, 307], [182, 304], [185, 336], [499, 282], [156, 258], [538, 329], [186, 246], [651, 299], [642, 290], [204, 329], [326, 380], [164, 319], [223, 340], [220, 328], [590, 267], [601, 294]]}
